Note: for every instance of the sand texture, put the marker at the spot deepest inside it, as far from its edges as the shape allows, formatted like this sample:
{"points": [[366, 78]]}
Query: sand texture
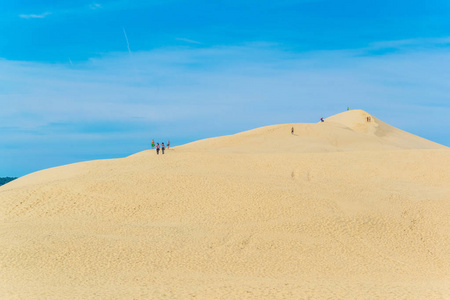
{"points": [[345, 209]]}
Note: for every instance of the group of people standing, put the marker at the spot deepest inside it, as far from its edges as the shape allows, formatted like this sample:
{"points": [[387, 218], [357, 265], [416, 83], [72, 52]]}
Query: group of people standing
{"points": [[161, 147]]}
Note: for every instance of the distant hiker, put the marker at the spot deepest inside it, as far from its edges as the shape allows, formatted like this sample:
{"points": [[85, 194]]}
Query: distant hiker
{"points": [[292, 130], [157, 148], [153, 144], [162, 148], [347, 108], [168, 144], [321, 119], [370, 119]]}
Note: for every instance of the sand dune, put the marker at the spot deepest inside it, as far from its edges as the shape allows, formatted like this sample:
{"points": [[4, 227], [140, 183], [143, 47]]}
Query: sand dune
{"points": [[345, 209], [348, 131]]}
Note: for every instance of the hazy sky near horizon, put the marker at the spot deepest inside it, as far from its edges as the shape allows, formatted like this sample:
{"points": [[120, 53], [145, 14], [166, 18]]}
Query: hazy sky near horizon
{"points": [[83, 80]]}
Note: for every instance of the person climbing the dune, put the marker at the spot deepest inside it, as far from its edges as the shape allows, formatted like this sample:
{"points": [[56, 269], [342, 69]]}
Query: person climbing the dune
{"points": [[162, 148], [157, 148], [168, 144], [153, 144], [321, 120], [292, 130]]}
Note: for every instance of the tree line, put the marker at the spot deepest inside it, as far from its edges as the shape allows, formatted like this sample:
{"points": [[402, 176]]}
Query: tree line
{"points": [[5, 180]]}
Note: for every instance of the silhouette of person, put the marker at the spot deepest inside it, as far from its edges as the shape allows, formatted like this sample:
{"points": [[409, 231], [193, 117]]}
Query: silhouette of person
{"points": [[157, 148]]}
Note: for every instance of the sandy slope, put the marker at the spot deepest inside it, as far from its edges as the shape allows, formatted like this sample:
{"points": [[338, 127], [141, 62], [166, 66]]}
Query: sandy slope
{"points": [[340, 210]]}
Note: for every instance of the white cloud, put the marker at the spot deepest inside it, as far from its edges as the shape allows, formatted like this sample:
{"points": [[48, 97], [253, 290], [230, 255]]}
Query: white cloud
{"points": [[75, 10], [33, 16], [95, 6], [409, 44], [187, 40], [151, 85]]}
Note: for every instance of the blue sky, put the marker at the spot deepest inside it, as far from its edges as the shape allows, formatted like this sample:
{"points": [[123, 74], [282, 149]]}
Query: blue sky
{"points": [[83, 80]]}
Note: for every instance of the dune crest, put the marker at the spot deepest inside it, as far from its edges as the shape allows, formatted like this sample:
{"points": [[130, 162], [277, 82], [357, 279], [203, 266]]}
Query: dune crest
{"points": [[347, 131], [340, 210], [356, 120]]}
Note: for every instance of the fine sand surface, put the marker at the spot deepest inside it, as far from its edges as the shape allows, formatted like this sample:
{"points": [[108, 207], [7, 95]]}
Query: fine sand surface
{"points": [[345, 209]]}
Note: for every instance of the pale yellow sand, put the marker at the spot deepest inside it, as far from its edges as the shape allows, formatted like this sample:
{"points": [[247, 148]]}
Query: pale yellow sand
{"points": [[340, 210]]}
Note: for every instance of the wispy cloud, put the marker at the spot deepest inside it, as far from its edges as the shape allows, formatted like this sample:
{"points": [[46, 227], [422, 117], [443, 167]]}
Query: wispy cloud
{"points": [[75, 10], [126, 38], [418, 42], [187, 40], [33, 16], [95, 6]]}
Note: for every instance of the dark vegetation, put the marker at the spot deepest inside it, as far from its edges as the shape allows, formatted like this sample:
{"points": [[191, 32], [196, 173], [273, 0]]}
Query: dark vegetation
{"points": [[5, 180]]}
